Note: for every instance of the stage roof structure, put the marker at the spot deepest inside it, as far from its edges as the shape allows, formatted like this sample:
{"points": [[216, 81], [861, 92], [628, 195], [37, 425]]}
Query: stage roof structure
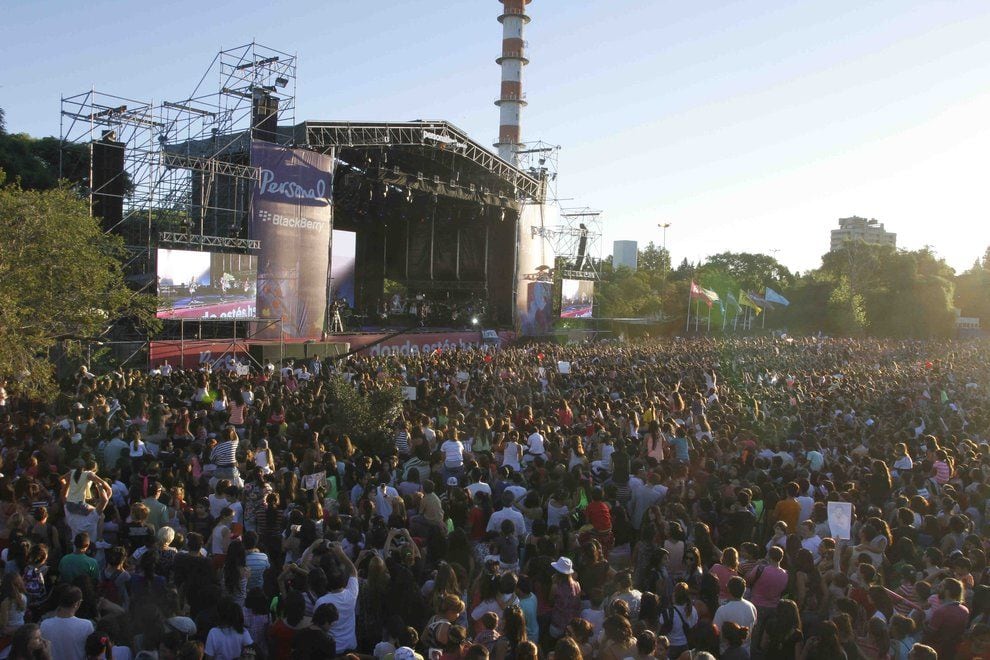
{"points": [[411, 153]]}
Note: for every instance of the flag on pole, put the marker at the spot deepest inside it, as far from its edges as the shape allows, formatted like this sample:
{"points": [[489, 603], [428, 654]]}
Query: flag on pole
{"points": [[700, 293], [746, 301], [760, 301], [774, 297], [711, 296], [733, 303]]}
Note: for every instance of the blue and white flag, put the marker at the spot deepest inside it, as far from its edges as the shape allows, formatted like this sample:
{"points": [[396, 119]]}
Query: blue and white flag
{"points": [[772, 296]]}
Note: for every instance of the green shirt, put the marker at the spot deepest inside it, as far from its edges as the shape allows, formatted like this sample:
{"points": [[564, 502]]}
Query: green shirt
{"points": [[75, 564]]}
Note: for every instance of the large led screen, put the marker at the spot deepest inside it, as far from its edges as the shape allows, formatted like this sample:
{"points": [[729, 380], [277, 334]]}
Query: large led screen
{"points": [[205, 285], [577, 299], [342, 255]]}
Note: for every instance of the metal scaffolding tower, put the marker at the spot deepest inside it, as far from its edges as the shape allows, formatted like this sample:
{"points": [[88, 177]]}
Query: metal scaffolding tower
{"points": [[186, 164]]}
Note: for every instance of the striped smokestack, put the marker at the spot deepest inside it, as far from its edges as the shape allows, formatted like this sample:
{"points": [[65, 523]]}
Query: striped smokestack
{"points": [[513, 59]]}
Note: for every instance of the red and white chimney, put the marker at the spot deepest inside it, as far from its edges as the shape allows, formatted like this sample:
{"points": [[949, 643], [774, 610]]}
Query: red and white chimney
{"points": [[513, 59]]}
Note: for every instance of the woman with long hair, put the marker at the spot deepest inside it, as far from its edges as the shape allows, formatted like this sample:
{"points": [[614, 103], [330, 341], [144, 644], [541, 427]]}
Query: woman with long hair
{"points": [[654, 442], [678, 619], [513, 634], [806, 586], [618, 640], [723, 571], [370, 606], [28, 644], [13, 605], [291, 618], [675, 543], [228, 639], [783, 637], [235, 573]]}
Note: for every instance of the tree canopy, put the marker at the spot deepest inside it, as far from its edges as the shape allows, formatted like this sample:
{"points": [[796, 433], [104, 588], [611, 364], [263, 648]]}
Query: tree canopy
{"points": [[61, 279]]}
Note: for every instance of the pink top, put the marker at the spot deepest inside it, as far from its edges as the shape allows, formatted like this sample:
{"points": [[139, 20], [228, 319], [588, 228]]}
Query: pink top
{"points": [[723, 574], [767, 590]]}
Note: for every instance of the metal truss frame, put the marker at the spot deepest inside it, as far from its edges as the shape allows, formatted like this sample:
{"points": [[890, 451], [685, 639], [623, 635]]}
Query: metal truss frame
{"points": [[171, 187], [322, 135], [201, 240]]}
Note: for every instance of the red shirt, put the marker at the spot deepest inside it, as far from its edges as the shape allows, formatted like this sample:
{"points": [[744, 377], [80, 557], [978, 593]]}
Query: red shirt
{"points": [[947, 626], [600, 516]]}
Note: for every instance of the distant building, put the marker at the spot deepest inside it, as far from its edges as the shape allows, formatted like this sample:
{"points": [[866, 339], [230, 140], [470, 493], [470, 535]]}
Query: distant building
{"points": [[625, 253], [861, 229]]}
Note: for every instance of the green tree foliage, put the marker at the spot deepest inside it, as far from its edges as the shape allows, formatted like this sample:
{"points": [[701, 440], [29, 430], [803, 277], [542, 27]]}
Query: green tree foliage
{"points": [[876, 290], [60, 278], [973, 290], [365, 418], [750, 271]]}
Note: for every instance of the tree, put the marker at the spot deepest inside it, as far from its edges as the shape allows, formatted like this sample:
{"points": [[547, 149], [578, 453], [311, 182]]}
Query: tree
{"points": [[365, 418], [61, 279], [751, 271]]}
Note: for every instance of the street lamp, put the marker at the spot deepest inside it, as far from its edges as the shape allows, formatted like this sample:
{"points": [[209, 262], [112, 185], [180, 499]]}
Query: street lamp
{"points": [[663, 265]]}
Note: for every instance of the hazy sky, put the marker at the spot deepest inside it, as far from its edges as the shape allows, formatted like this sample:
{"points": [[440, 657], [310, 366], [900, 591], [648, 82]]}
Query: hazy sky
{"points": [[747, 125]]}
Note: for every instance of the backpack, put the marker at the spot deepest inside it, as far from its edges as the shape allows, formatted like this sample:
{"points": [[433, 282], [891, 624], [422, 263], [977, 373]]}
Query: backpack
{"points": [[34, 584], [108, 589]]}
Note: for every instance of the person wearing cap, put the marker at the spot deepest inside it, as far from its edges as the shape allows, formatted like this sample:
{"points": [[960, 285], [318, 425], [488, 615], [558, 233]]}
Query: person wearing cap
{"points": [[565, 597]]}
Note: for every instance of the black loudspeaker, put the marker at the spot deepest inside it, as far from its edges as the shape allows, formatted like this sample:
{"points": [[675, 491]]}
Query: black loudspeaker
{"points": [[108, 181], [264, 116], [582, 248]]}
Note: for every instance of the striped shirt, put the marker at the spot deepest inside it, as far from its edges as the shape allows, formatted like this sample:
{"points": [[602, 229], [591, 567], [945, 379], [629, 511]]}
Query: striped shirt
{"points": [[402, 442], [257, 563], [236, 414], [224, 454], [942, 472]]}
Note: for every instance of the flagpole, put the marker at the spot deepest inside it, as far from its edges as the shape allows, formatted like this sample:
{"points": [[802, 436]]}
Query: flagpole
{"points": [[687, 324], [723, 319], [709, 330], [735, 319], [764, 321]]}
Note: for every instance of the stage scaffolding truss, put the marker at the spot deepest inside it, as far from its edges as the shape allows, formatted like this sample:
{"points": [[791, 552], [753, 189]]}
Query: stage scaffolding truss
{"points": [[244, 332], [439, 135], [193, 198]]}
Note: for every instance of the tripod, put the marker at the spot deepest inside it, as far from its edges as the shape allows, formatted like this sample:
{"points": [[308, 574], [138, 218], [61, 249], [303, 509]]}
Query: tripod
{"points": [[336, 323]]}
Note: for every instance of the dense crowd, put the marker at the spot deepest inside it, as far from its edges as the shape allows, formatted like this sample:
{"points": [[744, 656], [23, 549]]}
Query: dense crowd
{"points": [[746, 498]]}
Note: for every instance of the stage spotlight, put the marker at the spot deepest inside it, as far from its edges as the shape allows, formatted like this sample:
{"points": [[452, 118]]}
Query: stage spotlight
{"points": [[281, 81], [474, 320]]}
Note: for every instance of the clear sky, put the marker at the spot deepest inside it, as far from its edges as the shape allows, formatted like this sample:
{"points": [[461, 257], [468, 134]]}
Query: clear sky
{"points": [[747, 125]]}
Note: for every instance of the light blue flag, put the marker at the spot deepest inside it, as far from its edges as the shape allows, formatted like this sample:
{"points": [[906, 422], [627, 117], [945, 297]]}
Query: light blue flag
{"points": [[772, 296], [734, 303]]}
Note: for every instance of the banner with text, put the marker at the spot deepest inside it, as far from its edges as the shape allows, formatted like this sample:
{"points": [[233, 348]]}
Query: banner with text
{"points": [[292, 216]]}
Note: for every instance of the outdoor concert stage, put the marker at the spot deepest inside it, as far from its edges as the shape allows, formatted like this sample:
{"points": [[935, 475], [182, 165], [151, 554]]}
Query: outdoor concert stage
{"points": [[219, 352], [410, 224], [252, 226]]}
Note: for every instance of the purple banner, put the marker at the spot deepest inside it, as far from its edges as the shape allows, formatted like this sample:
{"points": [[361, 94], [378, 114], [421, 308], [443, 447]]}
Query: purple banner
{"points": [[292, 216]]}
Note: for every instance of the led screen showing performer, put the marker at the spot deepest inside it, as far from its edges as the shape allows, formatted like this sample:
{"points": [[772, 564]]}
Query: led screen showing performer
{"points": [[203, 285], [577, 299]]}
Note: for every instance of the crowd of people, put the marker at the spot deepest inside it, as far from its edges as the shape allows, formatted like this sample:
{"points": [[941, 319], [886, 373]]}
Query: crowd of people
{"points": [[768, 498]]}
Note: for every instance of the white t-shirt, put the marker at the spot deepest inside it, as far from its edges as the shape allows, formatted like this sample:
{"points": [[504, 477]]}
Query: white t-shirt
{"points": [[453, 453], [226, 643], [511, 455], [479, 487], [507, 513], [345, 601], [535, 443], [742, 612], [67, 636]]}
